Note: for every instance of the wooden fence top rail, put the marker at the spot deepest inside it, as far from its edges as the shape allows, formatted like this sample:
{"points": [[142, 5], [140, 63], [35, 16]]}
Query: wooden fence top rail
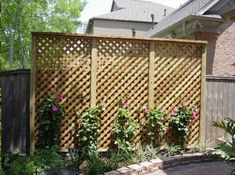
{"points": [[211, 77], [115, 37]]}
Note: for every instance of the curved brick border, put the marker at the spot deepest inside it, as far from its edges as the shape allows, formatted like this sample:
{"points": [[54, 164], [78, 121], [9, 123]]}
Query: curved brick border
{"points": [[156, 164]]}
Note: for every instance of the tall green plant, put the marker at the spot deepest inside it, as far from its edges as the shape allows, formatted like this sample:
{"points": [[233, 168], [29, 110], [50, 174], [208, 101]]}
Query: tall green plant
{"points": [[124, 130], [50, 115], [155, 125], [227, 150], [90, 126]]}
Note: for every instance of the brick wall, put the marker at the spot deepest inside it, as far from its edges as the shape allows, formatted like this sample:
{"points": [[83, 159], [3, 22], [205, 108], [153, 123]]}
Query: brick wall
{"points": [[224, 59], [221, 50]]}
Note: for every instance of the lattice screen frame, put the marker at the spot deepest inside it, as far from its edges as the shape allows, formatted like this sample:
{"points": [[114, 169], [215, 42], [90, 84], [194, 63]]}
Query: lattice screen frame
{"points": [[94, 70]]}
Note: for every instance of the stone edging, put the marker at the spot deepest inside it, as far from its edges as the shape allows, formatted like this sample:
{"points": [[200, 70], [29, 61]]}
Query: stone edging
{"points": [[156, 164]]}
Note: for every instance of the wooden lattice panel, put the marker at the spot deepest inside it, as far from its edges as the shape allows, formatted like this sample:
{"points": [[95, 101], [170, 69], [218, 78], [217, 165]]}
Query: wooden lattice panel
{"points": [[89, 69], [177, 78], [122, 74], [63, 65]]}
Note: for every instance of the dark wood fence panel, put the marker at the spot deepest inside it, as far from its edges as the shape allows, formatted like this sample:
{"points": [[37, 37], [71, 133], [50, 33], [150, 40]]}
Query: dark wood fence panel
{"points": [[15, 110], [220, 103]]}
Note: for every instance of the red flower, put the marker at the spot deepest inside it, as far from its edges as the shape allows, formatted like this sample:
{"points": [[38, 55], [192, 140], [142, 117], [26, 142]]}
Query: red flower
{"points": [[54, 109], [59, 96]]}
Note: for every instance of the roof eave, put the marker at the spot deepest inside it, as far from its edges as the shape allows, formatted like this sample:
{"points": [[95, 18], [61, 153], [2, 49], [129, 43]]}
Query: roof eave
{"points": [[174, 26]]}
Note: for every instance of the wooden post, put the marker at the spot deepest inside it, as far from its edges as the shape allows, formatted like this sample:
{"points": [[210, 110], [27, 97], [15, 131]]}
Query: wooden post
{"points": [[151, 75], [32, 96], [203, 95], [93, 72]]}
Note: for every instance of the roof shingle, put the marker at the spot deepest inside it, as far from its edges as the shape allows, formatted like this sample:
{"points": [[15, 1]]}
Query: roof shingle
{"points": [[136, 10]]}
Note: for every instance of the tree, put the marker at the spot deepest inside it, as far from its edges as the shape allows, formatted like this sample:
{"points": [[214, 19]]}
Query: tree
{"points": [[21, 17]]}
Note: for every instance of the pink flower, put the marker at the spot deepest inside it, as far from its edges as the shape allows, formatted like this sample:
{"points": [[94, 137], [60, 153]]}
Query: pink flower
{"points": [[54, 109], [124, 103], [174, 110], [195, 113], [184, 104], [146, 109], [59, 96]]}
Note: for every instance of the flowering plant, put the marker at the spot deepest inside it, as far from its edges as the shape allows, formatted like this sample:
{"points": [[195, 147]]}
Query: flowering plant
{"points": [[180, 119], [50, 115]]}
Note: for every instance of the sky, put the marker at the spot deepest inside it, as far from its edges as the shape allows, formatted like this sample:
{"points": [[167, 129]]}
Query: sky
{"points": [[99, 7]]}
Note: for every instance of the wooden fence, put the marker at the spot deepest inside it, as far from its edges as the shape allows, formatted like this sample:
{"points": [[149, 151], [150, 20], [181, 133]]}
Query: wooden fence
{"points": [[220, 102], [86, 69], [15, 111]]}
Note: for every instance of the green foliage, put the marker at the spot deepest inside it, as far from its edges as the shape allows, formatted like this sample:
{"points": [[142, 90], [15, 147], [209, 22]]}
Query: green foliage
{"points": [[151, 151], [50, 115], [94, 163], [155, 125], [226, 150], [201, 147], [124, 129], [98, 165], [139, 154], [39, 161], [22, 17], [170, 150], [76, 158], [144, 153], [180, 119], [89, 132], [228, 125]]}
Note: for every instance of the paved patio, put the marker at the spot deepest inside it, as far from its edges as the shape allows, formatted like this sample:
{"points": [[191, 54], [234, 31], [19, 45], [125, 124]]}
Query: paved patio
{"points": [[209, 168]]}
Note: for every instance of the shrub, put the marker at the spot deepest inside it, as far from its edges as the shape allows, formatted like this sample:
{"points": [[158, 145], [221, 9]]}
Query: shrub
{"points": [[180, 119], [155, 125], [40, 161], [50, 115], [124, 130]]}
